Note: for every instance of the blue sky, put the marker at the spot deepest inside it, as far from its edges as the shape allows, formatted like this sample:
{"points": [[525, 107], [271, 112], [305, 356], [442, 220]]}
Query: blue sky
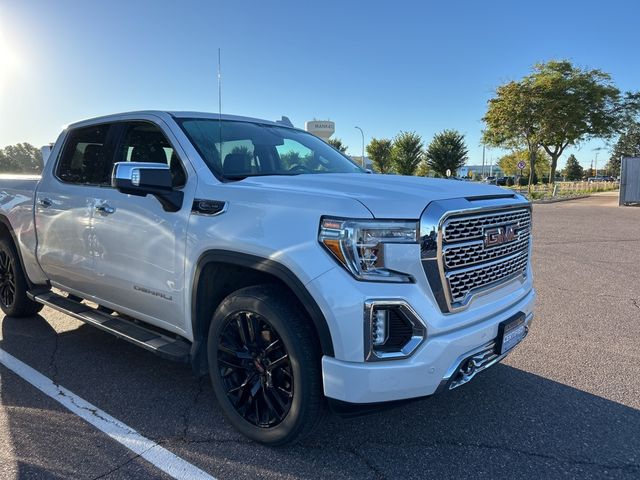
{"points": [[384, 66]]}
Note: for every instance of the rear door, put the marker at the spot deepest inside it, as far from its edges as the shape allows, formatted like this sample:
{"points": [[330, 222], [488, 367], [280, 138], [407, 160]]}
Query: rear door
{"points": [[140, 261], [65, 202]]}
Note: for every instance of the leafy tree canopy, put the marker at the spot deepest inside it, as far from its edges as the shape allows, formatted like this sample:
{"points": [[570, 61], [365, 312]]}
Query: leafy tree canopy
{"points": [[510, 122], [557, 105], [21, 158], [573, 170], [337, 144], [423, 169], [578, 104], [379, 151], [628, 145], [447, 151], [509, 164], [406, 152]]}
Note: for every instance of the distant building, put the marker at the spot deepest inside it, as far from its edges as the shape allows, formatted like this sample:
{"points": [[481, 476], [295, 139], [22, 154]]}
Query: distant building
{"points": [[476, 170], [320, 128]]}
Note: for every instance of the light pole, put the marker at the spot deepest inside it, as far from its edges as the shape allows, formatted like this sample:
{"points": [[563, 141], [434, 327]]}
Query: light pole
{"points": [[597, 150], [362, 133]]}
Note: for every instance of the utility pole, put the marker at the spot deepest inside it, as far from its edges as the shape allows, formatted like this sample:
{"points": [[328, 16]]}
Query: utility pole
{"points": [[362, 133], [482, 175]]}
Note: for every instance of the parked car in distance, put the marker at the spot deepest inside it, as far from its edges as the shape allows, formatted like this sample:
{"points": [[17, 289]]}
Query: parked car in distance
{"points": [[506, 181]]}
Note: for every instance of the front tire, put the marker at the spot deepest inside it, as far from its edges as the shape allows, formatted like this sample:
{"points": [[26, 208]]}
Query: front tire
{"points": [[265, 365], [13, 284]]}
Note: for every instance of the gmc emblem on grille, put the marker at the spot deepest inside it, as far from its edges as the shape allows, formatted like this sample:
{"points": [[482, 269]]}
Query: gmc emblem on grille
{"points": [[499, 235]]}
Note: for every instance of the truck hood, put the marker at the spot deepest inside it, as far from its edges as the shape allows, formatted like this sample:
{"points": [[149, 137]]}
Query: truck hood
{"points": [[386, 196]]}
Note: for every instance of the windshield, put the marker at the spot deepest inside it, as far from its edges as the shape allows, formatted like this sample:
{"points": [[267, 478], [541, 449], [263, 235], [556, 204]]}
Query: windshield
{"points": [[236, 150]]}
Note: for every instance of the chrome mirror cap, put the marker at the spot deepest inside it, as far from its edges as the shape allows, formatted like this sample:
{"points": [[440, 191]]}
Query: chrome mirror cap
{"points": [[128, 174]]}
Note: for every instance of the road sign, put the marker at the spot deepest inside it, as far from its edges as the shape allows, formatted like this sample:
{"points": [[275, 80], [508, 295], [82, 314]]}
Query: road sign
{"points": [[448, 172], [521, 164]]}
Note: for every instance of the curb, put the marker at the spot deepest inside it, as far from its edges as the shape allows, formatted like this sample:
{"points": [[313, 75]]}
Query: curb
{"points": [[563, 199]]}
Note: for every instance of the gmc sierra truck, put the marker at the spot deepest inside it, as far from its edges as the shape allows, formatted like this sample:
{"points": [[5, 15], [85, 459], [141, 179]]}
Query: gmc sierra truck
{"points": [[270, 261]]}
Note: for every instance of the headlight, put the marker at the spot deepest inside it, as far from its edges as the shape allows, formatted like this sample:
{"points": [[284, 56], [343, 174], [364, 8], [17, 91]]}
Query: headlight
{"points": [[359, 245]]}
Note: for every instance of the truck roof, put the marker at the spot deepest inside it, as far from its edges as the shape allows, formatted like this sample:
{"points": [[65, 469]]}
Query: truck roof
{"points": [[175, 114]]}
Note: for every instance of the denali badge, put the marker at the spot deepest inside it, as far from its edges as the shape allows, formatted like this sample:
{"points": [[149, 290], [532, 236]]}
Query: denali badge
{"points": [[153, 292], [499, 235]]}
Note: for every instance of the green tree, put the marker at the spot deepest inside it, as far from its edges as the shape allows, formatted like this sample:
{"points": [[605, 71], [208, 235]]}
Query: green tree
{"points": [[447, 151], [556, 106], [21, 158], [379, 151], [578, 104], [406, 152], [337, 144], [423, 169], [510, 122], [509, 164], [628, 145], [573, 170]]}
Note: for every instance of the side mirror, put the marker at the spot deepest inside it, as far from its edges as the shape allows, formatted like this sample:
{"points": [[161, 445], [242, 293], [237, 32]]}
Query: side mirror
{"points": [[142, 179]]}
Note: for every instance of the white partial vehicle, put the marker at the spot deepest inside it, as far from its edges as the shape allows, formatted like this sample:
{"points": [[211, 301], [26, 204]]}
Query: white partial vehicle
{"points": [[268, 260]]}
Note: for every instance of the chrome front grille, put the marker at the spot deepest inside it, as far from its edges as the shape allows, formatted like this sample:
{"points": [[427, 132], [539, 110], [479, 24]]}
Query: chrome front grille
{"points": [[463, 282], [468, 247], [461, 255], [469, 227]]}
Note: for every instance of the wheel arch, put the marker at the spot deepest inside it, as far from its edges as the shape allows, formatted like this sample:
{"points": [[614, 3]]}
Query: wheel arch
{"points": [[245, 269], [7, 230]]}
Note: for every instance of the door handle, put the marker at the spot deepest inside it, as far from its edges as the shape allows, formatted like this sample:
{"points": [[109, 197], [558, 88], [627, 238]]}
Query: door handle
{"points": [[45, 202], [105, 209]]}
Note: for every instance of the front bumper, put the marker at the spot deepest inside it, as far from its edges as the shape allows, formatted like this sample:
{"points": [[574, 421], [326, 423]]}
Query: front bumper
{"points": [[433, 367]]}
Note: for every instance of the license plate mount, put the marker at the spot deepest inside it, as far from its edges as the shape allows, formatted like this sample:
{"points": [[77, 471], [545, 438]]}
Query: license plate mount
{"points": [[510, 333]]}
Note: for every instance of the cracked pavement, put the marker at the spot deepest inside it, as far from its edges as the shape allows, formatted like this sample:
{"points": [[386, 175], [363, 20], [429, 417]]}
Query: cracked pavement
{"points": [[566, 403]]}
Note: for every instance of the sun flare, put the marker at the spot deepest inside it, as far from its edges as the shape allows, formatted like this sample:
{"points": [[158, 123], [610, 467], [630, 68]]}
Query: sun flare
{"points": [[10, 59]]}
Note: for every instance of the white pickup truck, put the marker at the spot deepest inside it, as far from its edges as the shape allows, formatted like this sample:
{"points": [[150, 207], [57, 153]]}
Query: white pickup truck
{"points": [[267, 259]]}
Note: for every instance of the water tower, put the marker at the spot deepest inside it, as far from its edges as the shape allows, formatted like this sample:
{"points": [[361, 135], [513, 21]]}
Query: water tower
{"points": [[320, 128]]}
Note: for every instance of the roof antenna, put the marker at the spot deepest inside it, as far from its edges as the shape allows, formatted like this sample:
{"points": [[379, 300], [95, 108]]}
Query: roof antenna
{"points": [[220, 105], [219, 87]]}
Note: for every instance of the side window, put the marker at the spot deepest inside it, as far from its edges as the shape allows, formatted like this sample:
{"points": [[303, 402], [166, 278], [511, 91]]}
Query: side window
{"points": [[85, 159], [145, 142]]}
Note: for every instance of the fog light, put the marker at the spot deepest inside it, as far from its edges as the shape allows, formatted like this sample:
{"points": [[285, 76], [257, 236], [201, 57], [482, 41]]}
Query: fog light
{"points": [[379, 327], [392, 330]]}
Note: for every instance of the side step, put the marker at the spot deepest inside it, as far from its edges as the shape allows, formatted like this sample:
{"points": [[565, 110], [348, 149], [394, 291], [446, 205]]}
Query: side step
{"points": [[176, 349]]}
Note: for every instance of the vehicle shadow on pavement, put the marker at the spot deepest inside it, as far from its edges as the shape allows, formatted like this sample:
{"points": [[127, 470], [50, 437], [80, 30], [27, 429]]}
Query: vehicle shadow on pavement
{"points": [[506, 422]]}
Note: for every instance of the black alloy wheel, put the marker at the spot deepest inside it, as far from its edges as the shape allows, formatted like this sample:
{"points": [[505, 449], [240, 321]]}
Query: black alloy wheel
{"points": [[13, 283], [265, 365], [7, 281], [255, 369]]}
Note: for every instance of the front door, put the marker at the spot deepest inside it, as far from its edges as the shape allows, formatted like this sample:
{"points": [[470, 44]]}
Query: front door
{"points": [[140, 260]]}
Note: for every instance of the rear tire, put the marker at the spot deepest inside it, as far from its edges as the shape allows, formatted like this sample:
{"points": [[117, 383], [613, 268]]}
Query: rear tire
{"points": [[264, 363], [13, 284]]}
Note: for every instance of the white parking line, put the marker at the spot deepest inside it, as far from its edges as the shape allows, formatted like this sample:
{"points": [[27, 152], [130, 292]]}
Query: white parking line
{"points": [[153, 453]]}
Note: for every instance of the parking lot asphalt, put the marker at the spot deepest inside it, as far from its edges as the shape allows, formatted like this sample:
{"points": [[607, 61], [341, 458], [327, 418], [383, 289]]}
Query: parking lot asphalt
{"points": [[566, 403]]}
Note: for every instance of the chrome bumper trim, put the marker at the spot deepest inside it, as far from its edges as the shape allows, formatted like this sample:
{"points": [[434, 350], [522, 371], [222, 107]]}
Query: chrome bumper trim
{"points": [[481, 358]]}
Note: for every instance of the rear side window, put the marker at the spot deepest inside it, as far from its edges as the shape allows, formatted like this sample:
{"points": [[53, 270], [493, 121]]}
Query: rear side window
{"points": [[85, 159]]}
